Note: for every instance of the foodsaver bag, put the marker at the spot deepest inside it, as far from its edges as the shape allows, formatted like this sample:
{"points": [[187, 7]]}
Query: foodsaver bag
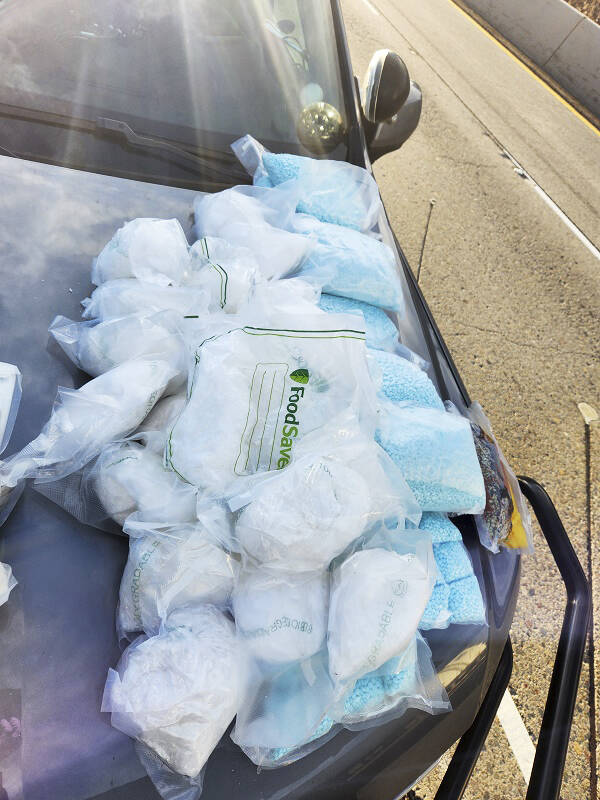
{"points": [[170, 567], [84, 420], [177, 692], [435, 452], [339, 485], [505, 521], [153, 250], [95, 347], [333, 191], [120, 298], [403, 381], [255, 218], [257, 390]]}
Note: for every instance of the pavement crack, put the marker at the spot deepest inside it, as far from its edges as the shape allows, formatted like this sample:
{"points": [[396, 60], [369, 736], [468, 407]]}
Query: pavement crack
{"points": [[516, 342], [464, 163]]}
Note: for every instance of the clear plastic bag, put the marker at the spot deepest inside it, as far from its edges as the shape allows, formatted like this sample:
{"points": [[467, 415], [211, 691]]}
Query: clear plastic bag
{"points": [[177, 692], [120, 298], [505, 521], [340, 484], [282, 707], [257, 390], [96, 347], [153, 250], [378, 596], [281, 617], [164, 414], [350, 264], [332, 191], [436, 454], [226, 272], [381, 332], [83, 421], [7, 582], [255, 218], [10, 399], [170, 567]]}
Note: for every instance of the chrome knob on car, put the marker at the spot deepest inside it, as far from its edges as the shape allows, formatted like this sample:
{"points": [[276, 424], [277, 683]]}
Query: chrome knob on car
{"points": [[320, 127]]}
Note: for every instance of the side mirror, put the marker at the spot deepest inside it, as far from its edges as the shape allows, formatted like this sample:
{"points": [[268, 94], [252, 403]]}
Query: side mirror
{"points": [[386, 137], [387, 85]]}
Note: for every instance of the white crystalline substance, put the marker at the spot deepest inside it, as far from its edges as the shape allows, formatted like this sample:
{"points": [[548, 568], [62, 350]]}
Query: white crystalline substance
{"points": [[377, 599], [7, 582], [228, 273], [130, 478], [306, 515], [164, 573], [83, 421], [119, 298], [153, 250], [96, 348], [281, 618], [250, 385], [177, 692], [253, 218]]}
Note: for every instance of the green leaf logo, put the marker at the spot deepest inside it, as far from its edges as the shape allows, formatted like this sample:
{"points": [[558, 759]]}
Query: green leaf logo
{"points": [[300, 375]]}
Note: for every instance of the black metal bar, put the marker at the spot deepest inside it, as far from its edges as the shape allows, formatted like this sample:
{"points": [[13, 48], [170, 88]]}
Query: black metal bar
{"points": [[553, 739], [470, 744]]}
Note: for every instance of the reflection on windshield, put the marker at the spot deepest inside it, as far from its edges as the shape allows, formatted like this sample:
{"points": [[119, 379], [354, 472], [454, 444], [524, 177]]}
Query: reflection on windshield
{"points": [[198, 73]]}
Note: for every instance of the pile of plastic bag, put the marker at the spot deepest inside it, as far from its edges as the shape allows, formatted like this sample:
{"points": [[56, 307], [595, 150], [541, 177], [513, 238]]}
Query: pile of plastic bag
{"points": [[283, 466]]}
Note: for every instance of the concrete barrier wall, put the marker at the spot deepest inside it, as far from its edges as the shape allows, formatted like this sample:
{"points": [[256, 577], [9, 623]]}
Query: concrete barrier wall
{"points": [[555, 36]]}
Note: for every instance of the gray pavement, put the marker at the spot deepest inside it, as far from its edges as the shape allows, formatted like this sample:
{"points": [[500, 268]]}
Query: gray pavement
{"points": [[516, 295]]}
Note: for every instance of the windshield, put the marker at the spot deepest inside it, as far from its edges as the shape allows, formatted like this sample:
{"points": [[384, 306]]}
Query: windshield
{"points": [[103, 86]]}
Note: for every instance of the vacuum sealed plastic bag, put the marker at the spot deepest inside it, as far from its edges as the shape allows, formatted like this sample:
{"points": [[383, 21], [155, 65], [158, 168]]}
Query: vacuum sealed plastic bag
{"points": [[168, 568], [95, 347], [178, 691], [279, 616], [228, 273], [153, 250], [381, 332], [285, 715], [10, 399], [332, 191], [282, 707], [405, 382], [340, 483], [120, 298], [378, 597], [256, 391], [505, 521], [129, 478], [436, 454], [256, 218], [83, 421], [7, 582], [350, 264]]}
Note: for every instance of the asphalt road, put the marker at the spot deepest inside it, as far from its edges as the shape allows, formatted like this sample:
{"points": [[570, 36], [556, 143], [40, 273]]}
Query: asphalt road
{"points": [[516, 293]]}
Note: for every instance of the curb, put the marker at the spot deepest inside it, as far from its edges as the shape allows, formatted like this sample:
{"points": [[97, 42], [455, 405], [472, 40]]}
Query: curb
{"points": [[559, 40]]}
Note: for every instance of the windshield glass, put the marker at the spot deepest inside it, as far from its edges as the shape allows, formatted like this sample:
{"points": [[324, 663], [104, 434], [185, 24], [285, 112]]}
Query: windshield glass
{"points": [[196, 74]]}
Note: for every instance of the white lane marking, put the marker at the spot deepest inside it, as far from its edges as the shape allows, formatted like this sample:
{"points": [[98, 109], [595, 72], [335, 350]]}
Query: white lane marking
{"points": [[520, 170], [371, 8], [516, 733]]}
